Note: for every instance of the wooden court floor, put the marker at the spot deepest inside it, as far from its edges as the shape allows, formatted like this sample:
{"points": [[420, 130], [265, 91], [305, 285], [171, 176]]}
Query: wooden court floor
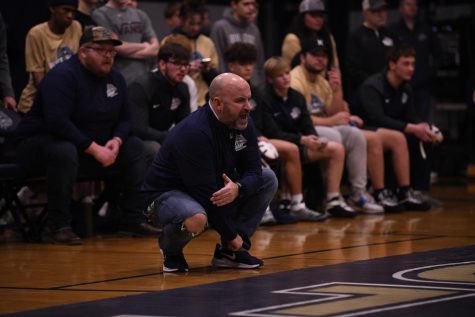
{"points": [[36, 276]]}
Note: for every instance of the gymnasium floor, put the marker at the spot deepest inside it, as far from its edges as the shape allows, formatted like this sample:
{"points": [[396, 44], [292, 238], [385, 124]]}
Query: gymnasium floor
{"points": [[408, 264]]}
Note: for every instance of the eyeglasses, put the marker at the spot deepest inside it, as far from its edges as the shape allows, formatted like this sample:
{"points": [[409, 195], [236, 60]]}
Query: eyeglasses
{"points": [[178, 64], [103, 51]]}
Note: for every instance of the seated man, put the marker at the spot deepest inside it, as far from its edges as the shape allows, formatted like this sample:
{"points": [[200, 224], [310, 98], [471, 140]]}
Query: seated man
{"points": [[80, 122], [240, 58], [160, 99], [47, 45], [308, 79], [385, 101], [209, 169]]}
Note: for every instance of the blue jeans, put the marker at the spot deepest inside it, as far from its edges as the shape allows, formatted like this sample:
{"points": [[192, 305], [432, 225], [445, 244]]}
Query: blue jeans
{"points": [[174, 207]]}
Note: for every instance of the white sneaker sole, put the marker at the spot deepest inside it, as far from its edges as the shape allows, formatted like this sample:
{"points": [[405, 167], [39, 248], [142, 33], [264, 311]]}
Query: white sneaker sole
{"points": [[366, 211]]}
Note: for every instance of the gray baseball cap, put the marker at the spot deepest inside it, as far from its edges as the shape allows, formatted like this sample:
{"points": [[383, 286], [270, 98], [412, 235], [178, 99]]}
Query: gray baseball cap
{"points": [[311, 5]]}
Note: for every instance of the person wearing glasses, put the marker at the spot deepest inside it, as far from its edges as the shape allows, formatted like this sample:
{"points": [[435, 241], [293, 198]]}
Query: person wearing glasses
{"points": [[160, 98], [80, 123], [48, 44]]}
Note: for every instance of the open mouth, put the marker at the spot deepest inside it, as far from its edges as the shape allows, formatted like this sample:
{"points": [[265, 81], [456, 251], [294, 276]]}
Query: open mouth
{"points": [[243, 118]]}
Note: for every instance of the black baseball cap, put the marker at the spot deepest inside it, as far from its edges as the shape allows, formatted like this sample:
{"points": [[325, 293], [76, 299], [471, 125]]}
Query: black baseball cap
{"points": [[314, 45], [374, 5]]}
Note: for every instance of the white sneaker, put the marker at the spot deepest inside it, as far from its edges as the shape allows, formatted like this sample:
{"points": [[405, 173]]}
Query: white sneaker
{"points": [[301, 212], [268, 218], [365, 203]]}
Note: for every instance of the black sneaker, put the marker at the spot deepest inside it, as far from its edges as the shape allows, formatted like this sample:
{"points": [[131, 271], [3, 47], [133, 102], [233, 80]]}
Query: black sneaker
{"points": [[283, 217], [240, 259], [284, 205], [388, 200], [338, 208], [66, 236], [174, 262], [411, 202]]}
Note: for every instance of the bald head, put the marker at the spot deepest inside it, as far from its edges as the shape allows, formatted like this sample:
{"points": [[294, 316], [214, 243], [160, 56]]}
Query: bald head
{"points": [[229, 97], [223, 83]]}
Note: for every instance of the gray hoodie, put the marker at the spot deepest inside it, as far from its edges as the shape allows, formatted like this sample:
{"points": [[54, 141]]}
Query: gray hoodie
{"points": [[228, 31]]}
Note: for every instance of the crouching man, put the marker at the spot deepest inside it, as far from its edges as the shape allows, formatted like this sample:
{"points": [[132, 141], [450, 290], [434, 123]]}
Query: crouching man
{"points": [[209, 169]]}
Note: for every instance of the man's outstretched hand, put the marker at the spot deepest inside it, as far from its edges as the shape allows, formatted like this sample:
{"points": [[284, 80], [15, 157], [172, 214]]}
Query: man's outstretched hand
{"points": [[227, 194]]}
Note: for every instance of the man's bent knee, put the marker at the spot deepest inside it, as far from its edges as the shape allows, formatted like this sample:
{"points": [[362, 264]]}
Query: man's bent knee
{"points": [[196, 223]]}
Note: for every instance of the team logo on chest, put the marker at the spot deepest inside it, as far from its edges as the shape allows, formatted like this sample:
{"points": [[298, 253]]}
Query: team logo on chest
{"points": [[295, 113], [316, 106], [176, 102], [240, 143], [404, 97], [111, 91]]}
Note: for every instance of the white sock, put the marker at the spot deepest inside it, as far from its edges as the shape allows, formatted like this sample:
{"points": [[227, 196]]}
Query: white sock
{"points": [[296, 199], [297, 206], [332, 195]]}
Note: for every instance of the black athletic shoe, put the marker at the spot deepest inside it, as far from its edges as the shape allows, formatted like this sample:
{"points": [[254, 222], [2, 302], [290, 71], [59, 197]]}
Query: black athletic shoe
{"points": [[174, 263], [240, 259], [338, 208], [412, 202], [389, 201], [283, 217]]}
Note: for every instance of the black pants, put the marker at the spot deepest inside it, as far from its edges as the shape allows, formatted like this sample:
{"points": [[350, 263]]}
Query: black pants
{"points": [[420, 166], [61, 162]]}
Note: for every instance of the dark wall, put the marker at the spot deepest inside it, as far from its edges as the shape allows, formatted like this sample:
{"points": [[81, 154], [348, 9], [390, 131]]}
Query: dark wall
{"points": [[19, 17]]}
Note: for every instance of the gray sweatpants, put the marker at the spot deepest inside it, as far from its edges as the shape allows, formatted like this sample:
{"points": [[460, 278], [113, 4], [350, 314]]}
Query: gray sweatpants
{"points": [[354, 142]]}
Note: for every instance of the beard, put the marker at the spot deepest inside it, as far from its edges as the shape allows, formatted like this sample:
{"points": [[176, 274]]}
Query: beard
{"points": [[313, 71]]}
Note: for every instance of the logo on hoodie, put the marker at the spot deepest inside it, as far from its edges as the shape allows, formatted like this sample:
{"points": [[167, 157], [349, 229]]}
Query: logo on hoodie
{"points": [[240, 143], [111, 91]]}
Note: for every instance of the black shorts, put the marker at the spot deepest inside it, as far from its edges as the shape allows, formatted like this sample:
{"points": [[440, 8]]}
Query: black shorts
{"points": [[303, 153]]}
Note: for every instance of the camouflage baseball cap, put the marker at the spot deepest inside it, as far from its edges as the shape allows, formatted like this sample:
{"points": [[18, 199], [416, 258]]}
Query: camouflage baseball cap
{"points": [[94, 34], [373, 5]]}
